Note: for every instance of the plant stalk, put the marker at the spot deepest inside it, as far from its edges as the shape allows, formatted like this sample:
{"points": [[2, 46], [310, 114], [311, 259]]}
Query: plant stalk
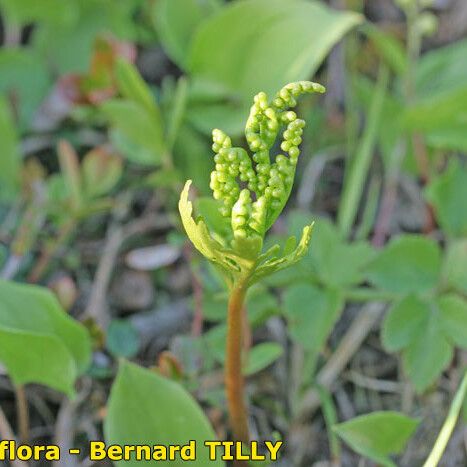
{"points": [[23, 414], [448, 426], [234, 381]]}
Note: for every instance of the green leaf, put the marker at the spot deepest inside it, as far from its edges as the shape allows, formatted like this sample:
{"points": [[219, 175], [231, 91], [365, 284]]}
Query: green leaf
{"points": [[440, 109], [410, 263], [24, 77], [261, 356], [139, 127], [176, 22], [67, 46], [425, 331], [427, 356], [311, 314], [453, 315], [286, 42], [269, 263], [38, 342], [133, 87], [445, 192], [215, 306], [101, 171], [455, 266], [28, 11], [337, 263], [10, 159], [404, 321], [145, 408], [122, 339], [442, 69], [378, 434]]}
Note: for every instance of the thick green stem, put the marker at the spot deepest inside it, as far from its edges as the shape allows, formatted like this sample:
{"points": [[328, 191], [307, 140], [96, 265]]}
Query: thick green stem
{"points": [[234, 380]]}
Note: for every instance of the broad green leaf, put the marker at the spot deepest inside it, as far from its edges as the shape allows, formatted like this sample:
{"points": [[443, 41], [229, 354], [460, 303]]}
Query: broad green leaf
{"points": [[261, 356], [286, 42], [145, 408], [138, 126], [410, 263], [39, 343], [23, 77], [455, 266], [404, 321], [453, 316], [176, 22], [10, 158], [445, 193], [259, 57], [311, 313], [378, 435], [427, 356]]}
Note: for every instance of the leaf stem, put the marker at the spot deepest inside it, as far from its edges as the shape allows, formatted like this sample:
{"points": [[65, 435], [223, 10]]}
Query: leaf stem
{"points": [[234, 380], [23, 414], [448, 426]]}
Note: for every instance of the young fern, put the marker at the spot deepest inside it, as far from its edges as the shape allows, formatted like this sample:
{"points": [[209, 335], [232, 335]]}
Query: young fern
{"points": [[252, 210]]}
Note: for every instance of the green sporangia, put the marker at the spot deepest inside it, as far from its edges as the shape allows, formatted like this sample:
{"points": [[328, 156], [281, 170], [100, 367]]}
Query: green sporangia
{"points": [[253, 209], [252, 191]]}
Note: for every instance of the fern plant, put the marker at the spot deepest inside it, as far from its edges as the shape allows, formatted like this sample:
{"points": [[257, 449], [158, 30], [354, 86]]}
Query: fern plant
{"points": [[252, 192]]}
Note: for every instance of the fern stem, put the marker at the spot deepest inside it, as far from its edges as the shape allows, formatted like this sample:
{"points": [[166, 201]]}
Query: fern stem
{"points": [[234, 380]]}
